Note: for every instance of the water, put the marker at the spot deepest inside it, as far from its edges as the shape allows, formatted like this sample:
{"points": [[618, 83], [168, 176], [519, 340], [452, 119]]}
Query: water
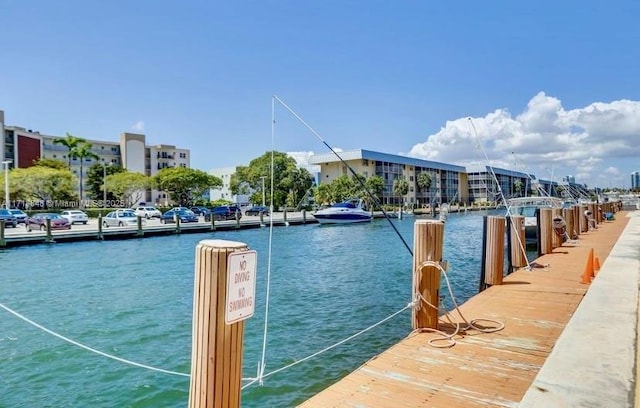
{"points": [[133, 299]]}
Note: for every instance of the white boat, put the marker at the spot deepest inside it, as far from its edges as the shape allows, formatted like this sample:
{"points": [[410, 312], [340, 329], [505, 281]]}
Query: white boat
{"points": [[527, 206], [346, 212]]}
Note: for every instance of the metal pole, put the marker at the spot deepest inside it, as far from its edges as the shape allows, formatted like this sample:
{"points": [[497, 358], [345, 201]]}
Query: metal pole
{"points": [[6, 183], [104, 185]]}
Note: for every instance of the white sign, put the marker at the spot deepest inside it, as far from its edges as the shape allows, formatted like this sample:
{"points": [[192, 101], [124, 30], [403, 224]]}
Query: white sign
{"points": [[241, 286]]}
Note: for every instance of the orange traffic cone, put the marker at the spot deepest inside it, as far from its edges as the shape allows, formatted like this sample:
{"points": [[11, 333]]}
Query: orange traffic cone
{"points": [[596, 265], [588, 269]]}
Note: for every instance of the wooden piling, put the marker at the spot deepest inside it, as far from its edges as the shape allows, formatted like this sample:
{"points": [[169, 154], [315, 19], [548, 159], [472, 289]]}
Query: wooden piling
{"points": [[213, 222], [545, 231], [584, 222], [493, 249], [140, 231], [576, 219], [2, 240], [517, 242], [49, 236], [428, 237], [238, 214], [567, 214], [100, 235], [216, 358], [177, 220], [304, 216], [556, 240]]}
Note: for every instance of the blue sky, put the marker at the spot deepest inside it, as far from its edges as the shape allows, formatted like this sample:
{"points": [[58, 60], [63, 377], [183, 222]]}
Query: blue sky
{"points": [[552, 87]]}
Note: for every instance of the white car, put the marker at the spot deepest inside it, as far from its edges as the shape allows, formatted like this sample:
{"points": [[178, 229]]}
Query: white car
{"points": [[148, 212], [20, 215], [75, 216], [121, 218]]}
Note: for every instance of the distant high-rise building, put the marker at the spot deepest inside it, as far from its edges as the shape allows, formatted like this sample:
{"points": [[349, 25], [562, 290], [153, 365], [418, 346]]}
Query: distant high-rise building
{"points": [[635, 180], [569, 179]]}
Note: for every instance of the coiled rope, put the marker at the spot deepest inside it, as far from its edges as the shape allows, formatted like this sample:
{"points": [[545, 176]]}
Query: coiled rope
{"points": [[449, 338]]}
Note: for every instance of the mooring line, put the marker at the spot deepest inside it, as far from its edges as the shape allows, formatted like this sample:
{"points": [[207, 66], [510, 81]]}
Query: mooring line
{"points": [[317, 353], [91, 349]]}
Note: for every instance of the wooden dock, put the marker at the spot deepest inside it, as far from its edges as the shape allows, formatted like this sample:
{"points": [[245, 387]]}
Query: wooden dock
{"points": [[482, 369]]}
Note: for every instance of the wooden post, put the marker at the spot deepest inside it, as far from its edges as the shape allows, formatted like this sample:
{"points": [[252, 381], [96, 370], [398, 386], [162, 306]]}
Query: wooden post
{"points": [[400, 212], [304, 216], [493, 260], [567, 214], [216, 357], [3, 242], [237, 218], [576, 219], [261, 217], [556, 240], [545, 231], [584, 223], [213, 222], [177, 219], [427, 246], [140, 232], [517, 242], [49, 237], [100, 235], [285, 215]]}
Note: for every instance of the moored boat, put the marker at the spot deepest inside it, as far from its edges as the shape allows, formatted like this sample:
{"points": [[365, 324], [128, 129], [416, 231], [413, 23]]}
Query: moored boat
{"points": [[346, 212], [527, 206]]}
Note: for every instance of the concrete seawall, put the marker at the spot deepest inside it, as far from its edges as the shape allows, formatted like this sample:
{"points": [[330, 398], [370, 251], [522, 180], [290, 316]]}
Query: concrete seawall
{"points": [[594, 364]]}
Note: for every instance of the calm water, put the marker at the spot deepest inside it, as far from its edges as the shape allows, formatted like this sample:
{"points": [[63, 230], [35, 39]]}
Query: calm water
{"points": [[133, 299]]}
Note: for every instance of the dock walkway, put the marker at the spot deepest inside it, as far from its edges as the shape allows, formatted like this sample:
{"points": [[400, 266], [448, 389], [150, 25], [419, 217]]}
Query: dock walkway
{"points": [[497, 369]]}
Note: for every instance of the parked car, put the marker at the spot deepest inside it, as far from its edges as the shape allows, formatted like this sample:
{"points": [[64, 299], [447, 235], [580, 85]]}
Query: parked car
{"points": [[185, 216], [223, 213], [9, 219], [74, 216], [200, 210], [20, 215], [257, 210], [39, 222], [148, 212], [121, 218]]}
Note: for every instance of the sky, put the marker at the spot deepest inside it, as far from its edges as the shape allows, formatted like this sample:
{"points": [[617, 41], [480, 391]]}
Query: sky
{"points": [[545, 87]]}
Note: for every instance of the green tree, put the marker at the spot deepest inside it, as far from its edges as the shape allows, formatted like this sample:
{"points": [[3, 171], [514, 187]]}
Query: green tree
{"points": [[375, 185], [128, 186], [289, 182], [400, 186], [83, 152], [71, 143], [95, 180], [51, 163], [183, 184], [46, 184]]}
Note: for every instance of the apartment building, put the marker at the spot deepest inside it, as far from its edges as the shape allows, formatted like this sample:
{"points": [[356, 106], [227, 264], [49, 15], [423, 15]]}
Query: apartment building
{"points": [[448, 181], [22, 146]]}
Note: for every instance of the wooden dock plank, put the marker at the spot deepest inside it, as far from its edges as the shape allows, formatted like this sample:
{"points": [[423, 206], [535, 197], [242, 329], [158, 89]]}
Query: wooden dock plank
{"points": [[482, 369]]}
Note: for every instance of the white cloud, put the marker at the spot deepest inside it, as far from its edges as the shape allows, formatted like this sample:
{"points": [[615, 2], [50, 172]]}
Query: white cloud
{"points": [[138, 126], [594, 143]]}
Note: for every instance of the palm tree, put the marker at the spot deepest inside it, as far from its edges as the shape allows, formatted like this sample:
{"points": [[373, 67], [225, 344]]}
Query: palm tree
{"points": [[83, 151], [401, 188], [71, 142], [424, 181]]}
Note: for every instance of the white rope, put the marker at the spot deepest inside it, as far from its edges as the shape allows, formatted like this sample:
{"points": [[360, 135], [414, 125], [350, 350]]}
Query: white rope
{"points": [[75, 343], [317, 353], [262, 364], [449, 339]]}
